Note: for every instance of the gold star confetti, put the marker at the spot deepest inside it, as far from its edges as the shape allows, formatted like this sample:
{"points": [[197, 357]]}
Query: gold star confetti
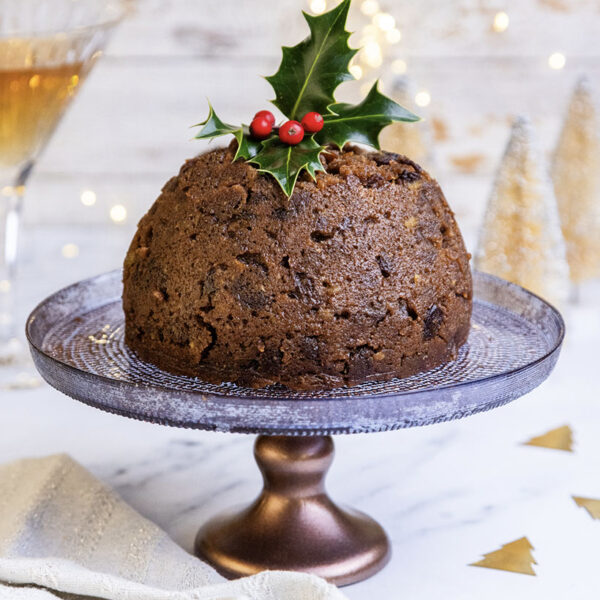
{"points": [[560, 438], [590, 504], [515, 557]]}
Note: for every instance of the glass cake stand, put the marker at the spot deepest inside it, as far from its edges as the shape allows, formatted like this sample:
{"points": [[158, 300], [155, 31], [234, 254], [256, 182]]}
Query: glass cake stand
{"points": [[76, 339]]}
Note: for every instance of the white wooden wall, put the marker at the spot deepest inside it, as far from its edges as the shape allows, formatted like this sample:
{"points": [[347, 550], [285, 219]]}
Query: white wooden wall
{"points": [[128, 131]]}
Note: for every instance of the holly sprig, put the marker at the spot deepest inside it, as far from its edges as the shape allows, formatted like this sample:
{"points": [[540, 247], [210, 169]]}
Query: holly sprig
{"points": [[304, 85], [310, 72], [212, 127]]}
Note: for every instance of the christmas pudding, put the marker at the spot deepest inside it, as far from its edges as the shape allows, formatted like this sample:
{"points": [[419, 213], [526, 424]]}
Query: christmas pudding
{"points": [[294, 257]]}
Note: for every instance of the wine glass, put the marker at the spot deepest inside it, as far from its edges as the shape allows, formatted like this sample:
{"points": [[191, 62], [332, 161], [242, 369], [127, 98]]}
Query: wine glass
{"points": [[47, 49]]}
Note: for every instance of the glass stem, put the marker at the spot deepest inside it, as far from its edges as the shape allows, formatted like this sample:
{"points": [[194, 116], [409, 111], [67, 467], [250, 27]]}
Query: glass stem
{"points": [[11, 203]]}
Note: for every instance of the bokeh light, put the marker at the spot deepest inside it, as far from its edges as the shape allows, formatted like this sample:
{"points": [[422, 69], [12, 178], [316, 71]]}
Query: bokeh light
{"points": [[70, 250], [501, 22], [393, 36], [118, 213], [369, 7], [384, 21], [399, 66], [88, 198], [318, 6], [356, 71], [557, 60], [371, 54], [422, 98]]}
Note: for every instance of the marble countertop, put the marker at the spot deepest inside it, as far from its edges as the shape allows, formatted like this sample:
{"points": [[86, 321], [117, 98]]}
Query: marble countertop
{"points": [[446, 494]]}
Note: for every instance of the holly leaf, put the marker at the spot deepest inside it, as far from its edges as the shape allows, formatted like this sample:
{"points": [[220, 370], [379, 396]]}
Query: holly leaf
{"points": [[248, 146], [213, 127], [285, 162], [362, 122], [310, 72]]}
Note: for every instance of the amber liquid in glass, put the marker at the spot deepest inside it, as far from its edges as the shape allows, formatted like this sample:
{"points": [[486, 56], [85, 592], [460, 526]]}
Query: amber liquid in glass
{"points": [[32, 100]]}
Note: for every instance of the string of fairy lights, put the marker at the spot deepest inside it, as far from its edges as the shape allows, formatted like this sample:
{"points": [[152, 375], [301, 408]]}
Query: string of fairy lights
{"points": [[117, 214], [380, 34], [379, 39]]}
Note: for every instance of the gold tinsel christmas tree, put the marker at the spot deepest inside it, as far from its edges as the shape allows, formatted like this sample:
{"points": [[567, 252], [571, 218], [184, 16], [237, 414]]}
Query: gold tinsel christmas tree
{"points": [[521, 239], [413, 141], [576, 176]]}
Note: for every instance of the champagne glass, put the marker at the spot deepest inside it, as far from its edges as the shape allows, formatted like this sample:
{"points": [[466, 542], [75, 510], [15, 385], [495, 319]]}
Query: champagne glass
{"points": [[47, 48]]}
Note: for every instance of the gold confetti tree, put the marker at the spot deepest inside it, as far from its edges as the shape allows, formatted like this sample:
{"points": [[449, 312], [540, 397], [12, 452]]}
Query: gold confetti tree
{"points": [[413, 141], [592, 505], [521, 238], [560, 438], [515, 556], [576, 175]]}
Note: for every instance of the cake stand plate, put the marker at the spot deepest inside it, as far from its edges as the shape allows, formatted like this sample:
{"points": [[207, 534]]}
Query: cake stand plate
{"points": [[76, 340]]}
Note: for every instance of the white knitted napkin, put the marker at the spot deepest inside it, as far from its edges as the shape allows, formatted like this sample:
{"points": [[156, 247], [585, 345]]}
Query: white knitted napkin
{"points": [[63, 530]]}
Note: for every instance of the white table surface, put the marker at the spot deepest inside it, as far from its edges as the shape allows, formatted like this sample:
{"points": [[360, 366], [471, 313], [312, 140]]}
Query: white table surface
{"points": [[446, 494]]}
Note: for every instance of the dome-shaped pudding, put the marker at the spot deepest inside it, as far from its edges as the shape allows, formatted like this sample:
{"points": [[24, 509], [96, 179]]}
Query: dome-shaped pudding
{"points": [[360, 275]]}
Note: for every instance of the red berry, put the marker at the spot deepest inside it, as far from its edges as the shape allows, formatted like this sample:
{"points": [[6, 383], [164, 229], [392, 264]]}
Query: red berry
{"points": [[261, 128], [312, 122], [291, 132], [266, 114]]}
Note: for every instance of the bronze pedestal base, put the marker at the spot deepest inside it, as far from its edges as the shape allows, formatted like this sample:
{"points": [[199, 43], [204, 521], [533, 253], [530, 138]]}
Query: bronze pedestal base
{"points": [[293, 525]]}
